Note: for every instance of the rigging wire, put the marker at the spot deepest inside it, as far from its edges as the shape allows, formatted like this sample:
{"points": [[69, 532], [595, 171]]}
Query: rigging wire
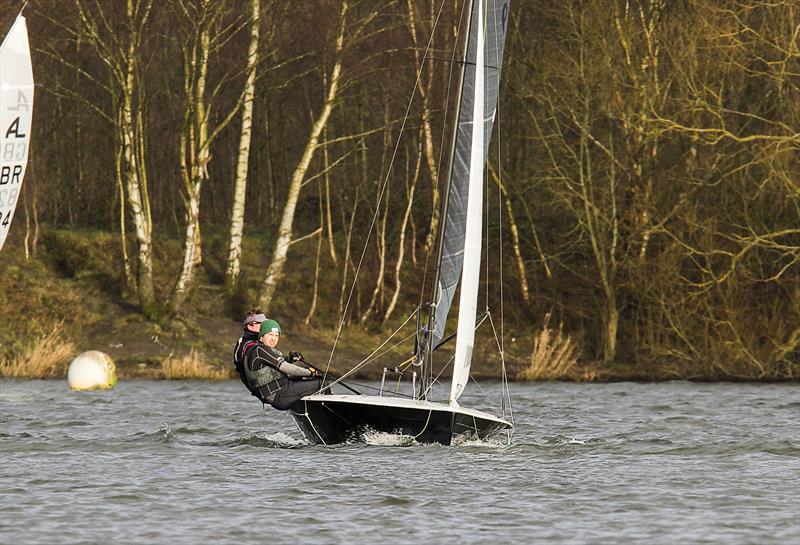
{"points": [[502, 345], [427, 370], [506, 397], [369, 358], [453, 61], [380, 198], [427, 391]]}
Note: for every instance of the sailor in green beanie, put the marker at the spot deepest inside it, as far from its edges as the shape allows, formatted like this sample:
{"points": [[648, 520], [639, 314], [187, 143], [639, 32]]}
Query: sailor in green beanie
{"points": [[270, 326], [276, 379]]}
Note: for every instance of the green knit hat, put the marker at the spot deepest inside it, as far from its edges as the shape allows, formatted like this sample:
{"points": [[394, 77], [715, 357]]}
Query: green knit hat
{"points": [[269, 326]]}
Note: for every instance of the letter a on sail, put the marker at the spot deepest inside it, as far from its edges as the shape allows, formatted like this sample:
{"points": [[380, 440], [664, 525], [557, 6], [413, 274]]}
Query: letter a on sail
{"points": [[16, 113]]}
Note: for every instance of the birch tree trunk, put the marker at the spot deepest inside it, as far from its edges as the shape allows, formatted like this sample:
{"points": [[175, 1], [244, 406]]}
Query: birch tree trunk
{"points": [[346, 265], [521, 269], [315, 294], [119, 53], [412, 186], [426, 128], [198, 134], [240, 184], [328, 217], [275, 271], [380, 239], [195, 155], [126, 263], [129, 129]]}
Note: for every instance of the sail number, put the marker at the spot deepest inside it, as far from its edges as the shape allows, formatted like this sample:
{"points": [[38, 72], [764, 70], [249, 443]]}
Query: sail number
{"points": [[8, 197], [14, 151], [11, 175]]}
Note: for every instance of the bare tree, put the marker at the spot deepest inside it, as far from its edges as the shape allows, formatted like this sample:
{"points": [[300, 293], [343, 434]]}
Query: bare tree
{"points": [[205, 32], [424, 84], [401, 243], [285, 231], [240, 184], [118, 48]]}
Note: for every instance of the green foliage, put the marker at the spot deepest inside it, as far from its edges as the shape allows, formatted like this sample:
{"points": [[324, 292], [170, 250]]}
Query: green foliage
{"points": [[155, 313]]}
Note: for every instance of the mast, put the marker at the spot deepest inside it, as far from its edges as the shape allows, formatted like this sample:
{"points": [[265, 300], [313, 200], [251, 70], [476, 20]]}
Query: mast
{"points": [[427, 345], [470, 272], [477, 104]]}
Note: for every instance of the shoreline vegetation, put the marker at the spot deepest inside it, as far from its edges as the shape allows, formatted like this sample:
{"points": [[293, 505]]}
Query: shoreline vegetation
{"points": [[66, 301], [646, 223]]}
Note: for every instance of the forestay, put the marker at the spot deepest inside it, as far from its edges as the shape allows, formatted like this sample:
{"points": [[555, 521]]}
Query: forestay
{"points": [[16, 113]]}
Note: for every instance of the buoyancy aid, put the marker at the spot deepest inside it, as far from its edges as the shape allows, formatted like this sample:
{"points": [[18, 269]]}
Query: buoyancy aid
{"points": [[247, 339], [264, 382]]}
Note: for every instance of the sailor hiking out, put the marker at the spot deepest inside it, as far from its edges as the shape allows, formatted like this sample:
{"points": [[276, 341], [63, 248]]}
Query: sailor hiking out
{"points": [[252, 325], [272, 377]]}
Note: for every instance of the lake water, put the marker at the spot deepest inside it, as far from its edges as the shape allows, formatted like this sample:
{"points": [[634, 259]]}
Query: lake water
{"points": [[201, 462]]}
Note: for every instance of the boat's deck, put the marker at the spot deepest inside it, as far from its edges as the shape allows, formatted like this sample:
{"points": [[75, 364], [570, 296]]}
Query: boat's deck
{"points": [[403, 403]]}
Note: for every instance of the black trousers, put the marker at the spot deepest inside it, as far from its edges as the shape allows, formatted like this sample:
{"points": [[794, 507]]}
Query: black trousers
{"points": [[293, 390]]}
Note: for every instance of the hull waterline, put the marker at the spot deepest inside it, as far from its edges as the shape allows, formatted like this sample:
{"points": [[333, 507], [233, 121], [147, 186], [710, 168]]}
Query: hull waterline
{"points": [[333, 419]]}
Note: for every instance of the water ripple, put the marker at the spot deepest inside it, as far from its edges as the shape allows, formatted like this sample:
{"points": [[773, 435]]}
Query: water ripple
{"points": [[201, 463]]}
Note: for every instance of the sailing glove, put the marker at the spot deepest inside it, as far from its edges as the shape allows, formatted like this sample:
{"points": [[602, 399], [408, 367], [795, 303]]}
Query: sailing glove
{"points": [[294, 356]]}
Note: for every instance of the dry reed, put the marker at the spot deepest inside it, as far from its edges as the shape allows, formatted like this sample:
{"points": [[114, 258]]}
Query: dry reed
{"points": [[554, 355], [191, 366], [45, 357]]}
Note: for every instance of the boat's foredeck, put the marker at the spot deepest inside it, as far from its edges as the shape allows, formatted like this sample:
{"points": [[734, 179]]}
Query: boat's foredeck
{"points": [[404, 403]]}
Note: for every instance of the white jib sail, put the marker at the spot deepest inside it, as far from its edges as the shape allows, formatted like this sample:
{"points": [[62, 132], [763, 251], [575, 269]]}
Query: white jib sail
{"points": [[468, 301], [16, 113]]}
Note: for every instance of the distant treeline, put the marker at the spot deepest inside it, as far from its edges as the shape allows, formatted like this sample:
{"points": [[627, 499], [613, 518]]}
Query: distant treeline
{"points": [[645, 163]]}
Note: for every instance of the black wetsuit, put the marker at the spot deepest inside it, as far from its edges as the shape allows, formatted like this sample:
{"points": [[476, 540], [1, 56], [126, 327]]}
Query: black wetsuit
{"points": [[275, 381], [249, 337]]}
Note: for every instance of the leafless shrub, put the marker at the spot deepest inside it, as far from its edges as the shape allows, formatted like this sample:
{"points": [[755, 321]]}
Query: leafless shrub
{"points": [[45, 357], [191, 366], [554, 355]]}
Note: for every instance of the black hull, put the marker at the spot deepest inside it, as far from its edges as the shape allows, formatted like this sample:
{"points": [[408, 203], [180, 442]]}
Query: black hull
{"points": [[328, 421]]}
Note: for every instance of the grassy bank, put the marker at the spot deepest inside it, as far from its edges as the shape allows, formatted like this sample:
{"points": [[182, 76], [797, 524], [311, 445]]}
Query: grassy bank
{"points": [[71, 297]]}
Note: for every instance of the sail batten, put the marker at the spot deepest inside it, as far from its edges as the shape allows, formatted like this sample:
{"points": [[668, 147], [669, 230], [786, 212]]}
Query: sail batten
{"points": [[16, 113]]}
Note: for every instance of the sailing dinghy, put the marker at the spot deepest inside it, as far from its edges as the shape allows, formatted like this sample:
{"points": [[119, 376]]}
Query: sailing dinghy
{"points": [[16, 114], [326, 418]]}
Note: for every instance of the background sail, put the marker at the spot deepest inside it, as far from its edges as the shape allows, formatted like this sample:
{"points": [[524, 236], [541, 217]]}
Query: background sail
{"points": [[495, 21], [16, 113]]}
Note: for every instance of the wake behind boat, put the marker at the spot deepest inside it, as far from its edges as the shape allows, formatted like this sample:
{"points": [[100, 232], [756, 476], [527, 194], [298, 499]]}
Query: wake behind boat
{"points": [[326, 418]]}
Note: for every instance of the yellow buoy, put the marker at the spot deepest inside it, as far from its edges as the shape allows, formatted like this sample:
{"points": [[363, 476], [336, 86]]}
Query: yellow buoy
{"points": [[92, 370]]}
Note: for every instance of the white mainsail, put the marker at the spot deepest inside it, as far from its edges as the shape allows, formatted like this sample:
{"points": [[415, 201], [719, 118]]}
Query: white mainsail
{"points": [[328, 418], [454, 211], [468, 301], [16, 114]]}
